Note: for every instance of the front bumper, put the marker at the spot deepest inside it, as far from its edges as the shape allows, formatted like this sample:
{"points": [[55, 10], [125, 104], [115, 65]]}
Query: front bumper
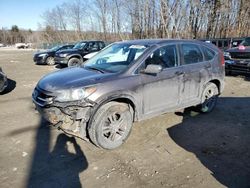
{"points": [[4, 82], [70, 117], [71, 120], [40, 60], [237, 66]]}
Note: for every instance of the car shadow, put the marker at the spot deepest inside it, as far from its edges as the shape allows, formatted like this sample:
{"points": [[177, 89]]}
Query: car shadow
{"points": [[247, 78], [58, 168], [59, 66], [220, 140], [11, 86]]}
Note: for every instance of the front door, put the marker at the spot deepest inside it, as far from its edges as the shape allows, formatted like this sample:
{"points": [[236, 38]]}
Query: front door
{"points": [[161, 91]]}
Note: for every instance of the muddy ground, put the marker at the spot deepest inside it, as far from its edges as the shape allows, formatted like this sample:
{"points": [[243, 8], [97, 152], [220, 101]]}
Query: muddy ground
{"points": [[181, 149]]}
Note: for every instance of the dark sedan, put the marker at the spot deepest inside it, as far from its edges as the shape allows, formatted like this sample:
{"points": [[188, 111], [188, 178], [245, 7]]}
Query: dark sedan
{"points": [[3, 81], [237, 60], [47, 57]]}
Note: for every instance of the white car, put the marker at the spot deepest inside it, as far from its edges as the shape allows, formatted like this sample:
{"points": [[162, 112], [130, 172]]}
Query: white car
{"points": [[88, 56], [21, 45]]}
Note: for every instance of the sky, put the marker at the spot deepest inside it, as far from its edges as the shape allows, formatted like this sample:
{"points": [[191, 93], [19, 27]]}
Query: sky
{"points": [[24, 13]]}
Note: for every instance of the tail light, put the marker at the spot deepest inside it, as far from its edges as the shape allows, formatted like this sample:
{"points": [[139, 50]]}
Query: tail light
{"points": [[222, 60]]}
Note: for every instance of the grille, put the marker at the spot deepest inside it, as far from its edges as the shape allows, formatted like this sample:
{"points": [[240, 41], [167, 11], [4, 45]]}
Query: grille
{"points": [[240, 55], [41, 98]]}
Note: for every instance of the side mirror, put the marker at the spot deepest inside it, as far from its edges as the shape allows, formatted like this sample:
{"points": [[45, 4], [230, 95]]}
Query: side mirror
{"points": [[153, 69], [86, 49]]}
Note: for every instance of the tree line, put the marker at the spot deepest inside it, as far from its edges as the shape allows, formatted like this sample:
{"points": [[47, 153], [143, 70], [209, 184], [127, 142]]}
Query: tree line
{"points": [[113, 20]]}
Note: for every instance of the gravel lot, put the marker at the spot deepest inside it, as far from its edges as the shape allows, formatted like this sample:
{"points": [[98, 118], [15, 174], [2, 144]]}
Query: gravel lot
{"points": [[181, 149]]}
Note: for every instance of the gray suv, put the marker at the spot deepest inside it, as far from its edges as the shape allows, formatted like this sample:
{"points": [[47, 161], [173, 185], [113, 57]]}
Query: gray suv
{"points": [[130, 81]]}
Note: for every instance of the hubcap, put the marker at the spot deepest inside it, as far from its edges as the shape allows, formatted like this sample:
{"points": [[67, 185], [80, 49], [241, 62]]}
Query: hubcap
{"points": [[74, 63], [50, 61], [114, 127], [210, 99]]}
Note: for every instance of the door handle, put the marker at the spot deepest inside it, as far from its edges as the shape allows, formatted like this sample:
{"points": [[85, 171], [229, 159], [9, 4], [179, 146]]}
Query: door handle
{"points": [[179, 73]]}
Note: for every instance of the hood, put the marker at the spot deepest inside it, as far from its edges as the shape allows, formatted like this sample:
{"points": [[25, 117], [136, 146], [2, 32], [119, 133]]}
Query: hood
{"points": [[68, 51], [72, 77], [44, 52]]}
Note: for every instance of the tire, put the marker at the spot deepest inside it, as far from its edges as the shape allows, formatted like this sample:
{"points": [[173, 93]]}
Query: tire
{"points": [[228, 72], [111, 125], [50, 61], [74, 62], [209, 98]]}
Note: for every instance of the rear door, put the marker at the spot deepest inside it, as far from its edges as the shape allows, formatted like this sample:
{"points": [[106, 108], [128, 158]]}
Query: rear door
{"points": [[196, 71]]}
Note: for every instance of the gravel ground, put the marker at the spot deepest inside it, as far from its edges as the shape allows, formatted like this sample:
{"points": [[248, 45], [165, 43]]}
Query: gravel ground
{"points": [[181, 149]]}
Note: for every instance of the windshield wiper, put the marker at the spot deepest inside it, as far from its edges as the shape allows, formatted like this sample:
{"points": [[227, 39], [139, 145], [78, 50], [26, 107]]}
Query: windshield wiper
{"points": [[95, 68]]}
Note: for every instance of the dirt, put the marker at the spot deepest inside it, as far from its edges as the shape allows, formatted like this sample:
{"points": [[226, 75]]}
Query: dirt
{"points": [[179, 149]]}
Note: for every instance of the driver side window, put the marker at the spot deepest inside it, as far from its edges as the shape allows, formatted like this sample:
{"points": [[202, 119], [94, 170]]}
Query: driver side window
{"points": [[165, 56]]}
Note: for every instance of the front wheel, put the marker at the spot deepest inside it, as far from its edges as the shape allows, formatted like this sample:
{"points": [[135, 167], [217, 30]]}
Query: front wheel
{"points": [[74, 62], [209, 98], [111, 125], [50, 61]]}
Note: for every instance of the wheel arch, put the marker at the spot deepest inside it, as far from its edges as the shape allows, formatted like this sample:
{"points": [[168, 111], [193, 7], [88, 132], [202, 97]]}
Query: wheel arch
{"points": [[117, 98], [217, 83], [75, 56]]}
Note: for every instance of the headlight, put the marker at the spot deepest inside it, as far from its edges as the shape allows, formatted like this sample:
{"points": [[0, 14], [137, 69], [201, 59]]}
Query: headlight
{"points": [[63, 55], [74, 94], [42, 55], [226, 54]]}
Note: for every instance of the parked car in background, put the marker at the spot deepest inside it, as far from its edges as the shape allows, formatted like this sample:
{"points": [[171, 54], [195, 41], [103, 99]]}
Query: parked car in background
{"points": [[3, 80], [75, 56], [237, 59], [23, 45], [47, 57], [130, 81], [88, 56], [224, 43]]}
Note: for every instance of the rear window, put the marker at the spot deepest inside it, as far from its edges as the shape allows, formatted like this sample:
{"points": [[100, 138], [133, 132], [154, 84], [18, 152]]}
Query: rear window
{"points": [[208, 54], [191, 53]]}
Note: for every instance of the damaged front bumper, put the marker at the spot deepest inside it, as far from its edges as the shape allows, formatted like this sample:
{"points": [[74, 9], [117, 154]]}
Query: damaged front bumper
{"points": [[70, 117]]}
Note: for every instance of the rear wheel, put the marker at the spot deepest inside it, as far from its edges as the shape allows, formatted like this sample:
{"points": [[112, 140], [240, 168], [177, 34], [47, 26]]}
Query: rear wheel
{"points": [[74, 62], [50, 61], [209, 98], [111, 125]]}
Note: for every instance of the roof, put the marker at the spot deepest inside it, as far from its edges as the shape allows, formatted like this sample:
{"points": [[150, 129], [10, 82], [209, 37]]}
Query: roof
{"points": [[151, 42], [89, 41]]}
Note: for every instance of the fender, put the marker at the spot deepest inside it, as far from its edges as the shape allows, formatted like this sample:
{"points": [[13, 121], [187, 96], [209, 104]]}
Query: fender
{"points": [[116, 96], [76, 56]]}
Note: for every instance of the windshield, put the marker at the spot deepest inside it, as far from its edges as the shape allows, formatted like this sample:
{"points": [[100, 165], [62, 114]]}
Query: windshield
{"points": [[79, 45], [246, 42], [115, 58], [55, 48]]}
